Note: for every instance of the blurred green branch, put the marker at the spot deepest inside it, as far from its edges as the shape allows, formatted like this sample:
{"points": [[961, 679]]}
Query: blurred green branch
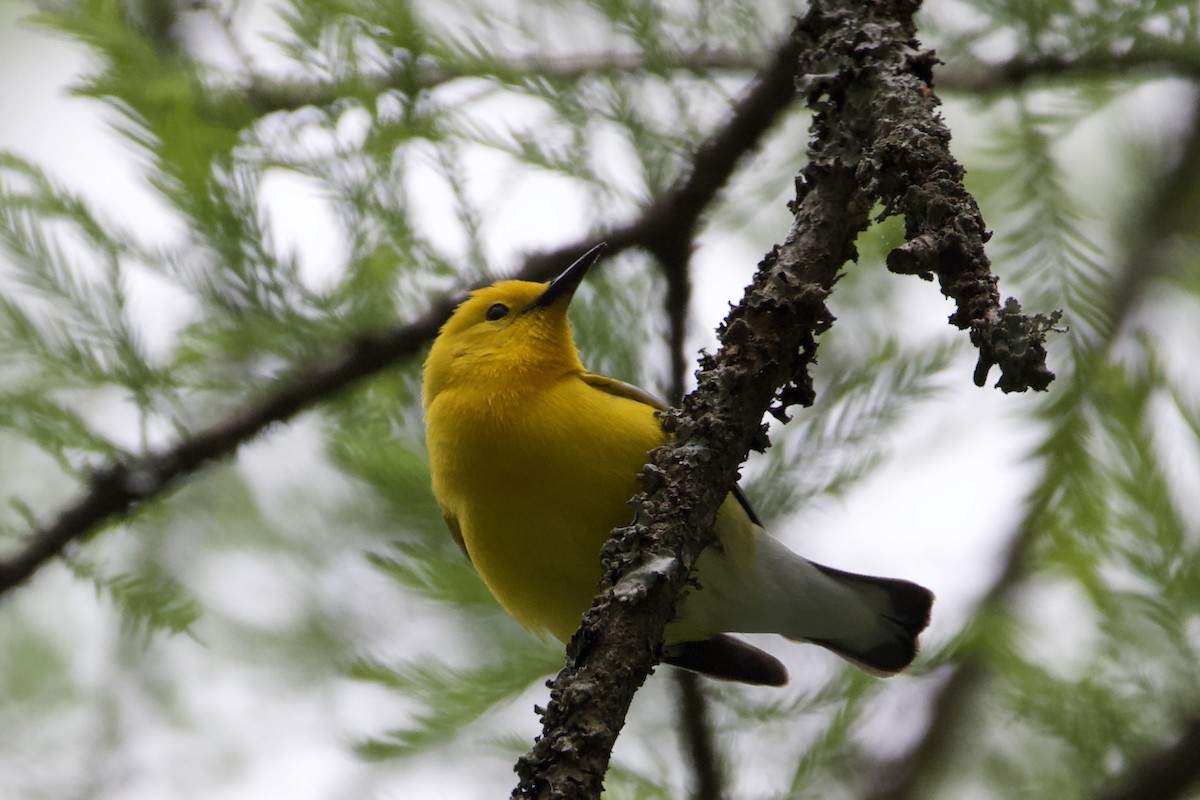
{"points": [[1165, 774], [1160, 59], [267, 94], [119, 488]]}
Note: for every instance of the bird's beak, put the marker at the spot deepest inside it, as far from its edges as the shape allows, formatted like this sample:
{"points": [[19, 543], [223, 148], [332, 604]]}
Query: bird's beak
{"points": [[564, 285]]}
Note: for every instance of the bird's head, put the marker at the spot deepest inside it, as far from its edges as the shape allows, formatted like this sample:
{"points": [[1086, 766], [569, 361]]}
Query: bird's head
{"points": [[508, 335]]}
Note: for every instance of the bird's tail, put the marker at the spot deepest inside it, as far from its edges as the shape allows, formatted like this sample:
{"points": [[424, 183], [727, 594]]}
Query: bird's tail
{"points": [[871, 622], [901, 611]]}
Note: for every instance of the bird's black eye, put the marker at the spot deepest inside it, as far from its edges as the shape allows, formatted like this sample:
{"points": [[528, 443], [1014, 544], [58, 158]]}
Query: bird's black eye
{"points": [[497, 311]]}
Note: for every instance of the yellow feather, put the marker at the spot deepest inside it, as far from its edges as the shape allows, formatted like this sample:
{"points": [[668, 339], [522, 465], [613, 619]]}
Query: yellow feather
{"points": [[534, 459]]}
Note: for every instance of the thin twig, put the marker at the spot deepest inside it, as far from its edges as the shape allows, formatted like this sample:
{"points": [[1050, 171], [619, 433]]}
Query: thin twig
{"points": [[1159, 60], [954, 706], [695, 723], [1168, 211], [700, 745], [268, 95], [1166, 774]]}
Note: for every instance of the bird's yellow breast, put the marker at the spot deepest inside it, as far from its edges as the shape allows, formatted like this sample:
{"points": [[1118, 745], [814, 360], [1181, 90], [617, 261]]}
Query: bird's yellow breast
{"points": [[537, 479]]}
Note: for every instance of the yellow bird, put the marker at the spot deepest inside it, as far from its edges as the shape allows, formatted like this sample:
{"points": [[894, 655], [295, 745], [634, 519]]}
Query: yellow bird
{"points": [[534, 459]]}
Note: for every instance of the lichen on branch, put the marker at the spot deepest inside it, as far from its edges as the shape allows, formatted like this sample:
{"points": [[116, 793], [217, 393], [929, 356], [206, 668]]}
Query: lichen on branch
{"points": [[870, 84], [876, 139]]}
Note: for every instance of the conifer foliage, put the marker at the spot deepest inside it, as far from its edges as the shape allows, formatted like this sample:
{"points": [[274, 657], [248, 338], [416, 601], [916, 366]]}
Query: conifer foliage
{"points": [[221, 567]]}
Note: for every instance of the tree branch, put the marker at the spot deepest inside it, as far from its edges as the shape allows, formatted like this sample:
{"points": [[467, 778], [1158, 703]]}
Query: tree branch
{"points": [[1166, 774], [918, 178], [118, 489], [1165, 213], [694, 722], [867, 82], [953, 707], [267, 95], [699, 742], [1162, 59]]}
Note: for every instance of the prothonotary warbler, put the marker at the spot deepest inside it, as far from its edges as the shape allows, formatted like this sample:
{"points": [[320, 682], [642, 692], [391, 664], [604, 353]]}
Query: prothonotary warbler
{"points": [[534, 459]]}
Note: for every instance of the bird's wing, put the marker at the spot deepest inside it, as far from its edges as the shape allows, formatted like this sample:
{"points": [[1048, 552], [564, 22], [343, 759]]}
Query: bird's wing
{"points": [[727, 658], [455, 532], [623, 389], [631, 392]]}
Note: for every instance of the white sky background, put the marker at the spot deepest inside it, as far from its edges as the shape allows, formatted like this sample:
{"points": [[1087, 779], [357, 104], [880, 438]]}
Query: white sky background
{"points": [[904, 521]]}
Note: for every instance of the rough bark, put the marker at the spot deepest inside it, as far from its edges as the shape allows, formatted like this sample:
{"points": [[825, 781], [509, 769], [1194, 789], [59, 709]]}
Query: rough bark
{"points": [[876, 138]]}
